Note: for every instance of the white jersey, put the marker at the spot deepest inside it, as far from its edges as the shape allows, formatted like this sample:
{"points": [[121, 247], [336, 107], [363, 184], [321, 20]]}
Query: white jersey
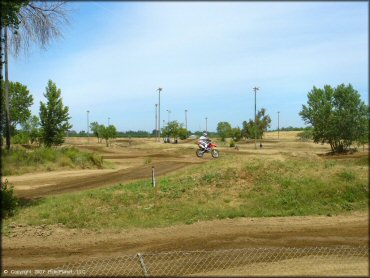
{"points": [[203, 138]]}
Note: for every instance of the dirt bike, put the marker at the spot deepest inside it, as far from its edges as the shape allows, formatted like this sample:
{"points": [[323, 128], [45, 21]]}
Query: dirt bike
{"points": [[210, 148]]}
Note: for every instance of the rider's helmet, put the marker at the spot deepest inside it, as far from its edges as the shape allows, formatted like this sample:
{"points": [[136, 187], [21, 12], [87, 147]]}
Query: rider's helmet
{"points": [[205, 134]]}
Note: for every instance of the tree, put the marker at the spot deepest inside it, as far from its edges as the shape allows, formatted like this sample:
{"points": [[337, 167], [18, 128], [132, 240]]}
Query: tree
{"points": [[54, 117], [224, 130], [236, 134], [97, 130], [172, 129], [20, 101], [338, 116], [257, 127], [183, 133], [108, 132], [27, 22]]}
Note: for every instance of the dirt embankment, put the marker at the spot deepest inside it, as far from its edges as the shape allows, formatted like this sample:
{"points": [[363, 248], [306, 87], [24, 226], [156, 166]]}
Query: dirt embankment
{"points": [[51, 246]]}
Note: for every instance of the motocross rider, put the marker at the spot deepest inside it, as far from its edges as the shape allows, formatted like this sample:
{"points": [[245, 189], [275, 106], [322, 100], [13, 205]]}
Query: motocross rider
{"points": [[204, 141]]}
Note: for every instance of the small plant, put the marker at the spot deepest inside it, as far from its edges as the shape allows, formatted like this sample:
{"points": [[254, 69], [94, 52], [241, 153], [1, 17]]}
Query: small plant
{"points": [[8, 201], [147, 161], [347, 176]]}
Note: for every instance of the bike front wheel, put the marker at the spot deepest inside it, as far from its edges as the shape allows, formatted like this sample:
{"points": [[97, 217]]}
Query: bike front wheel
{"points": [[215, 153]]}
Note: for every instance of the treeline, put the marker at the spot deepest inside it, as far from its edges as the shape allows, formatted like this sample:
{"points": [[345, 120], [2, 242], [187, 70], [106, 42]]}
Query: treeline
{"points": [[119, 134], [289, 128]]}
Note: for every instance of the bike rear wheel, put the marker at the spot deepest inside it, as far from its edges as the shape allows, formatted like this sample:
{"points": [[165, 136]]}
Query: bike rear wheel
{"points": [[199, 153]]}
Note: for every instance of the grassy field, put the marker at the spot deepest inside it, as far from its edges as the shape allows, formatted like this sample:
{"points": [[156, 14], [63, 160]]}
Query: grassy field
{"points": [[233, 186], [20, 160]]}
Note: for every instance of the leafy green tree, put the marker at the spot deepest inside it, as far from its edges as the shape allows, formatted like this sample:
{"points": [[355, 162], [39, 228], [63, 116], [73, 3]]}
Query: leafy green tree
{"points": [[54, 117], [183, 133], [338, 116], [172, 129], [258, 127], [224, 130], [96, 130], [236, 134], [108, 132], [9, 18], [20, 101]]}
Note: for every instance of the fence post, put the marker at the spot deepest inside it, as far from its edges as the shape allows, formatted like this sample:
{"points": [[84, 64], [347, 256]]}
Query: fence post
{"points": [[155, 187], [153, 177], [141, 259]]}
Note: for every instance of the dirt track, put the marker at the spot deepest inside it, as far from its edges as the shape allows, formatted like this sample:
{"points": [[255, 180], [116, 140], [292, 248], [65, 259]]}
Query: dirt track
{"points": [[54, 246], [131, 164]]}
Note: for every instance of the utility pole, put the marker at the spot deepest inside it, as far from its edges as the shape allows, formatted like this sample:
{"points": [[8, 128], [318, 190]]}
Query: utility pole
{"points": [[159, 113], [206, 125], [108, 121], [156, 122], [87, 112], [186, 121], [255, 89], [278, 124]]}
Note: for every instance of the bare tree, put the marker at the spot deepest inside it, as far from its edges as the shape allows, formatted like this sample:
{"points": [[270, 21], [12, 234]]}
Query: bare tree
{"points": [[39, 23]]}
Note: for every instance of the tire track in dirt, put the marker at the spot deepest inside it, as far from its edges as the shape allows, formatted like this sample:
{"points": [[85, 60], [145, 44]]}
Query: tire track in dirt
{"points": [[71, 184]]}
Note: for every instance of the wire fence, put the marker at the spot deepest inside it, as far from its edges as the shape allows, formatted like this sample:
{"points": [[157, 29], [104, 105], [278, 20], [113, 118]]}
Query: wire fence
{"points": [[348, 261]]}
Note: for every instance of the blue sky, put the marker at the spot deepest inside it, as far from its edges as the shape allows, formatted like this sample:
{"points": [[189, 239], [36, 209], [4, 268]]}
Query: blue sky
{"points": [[207, 57]]}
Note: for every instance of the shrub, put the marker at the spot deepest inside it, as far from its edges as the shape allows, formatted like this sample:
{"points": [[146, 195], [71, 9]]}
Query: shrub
{"points": [[20, 138], [8, 201], [232, 144]]}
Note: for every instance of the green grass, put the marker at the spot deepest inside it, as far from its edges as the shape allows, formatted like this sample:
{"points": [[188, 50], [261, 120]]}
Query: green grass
{"points": [[19, 160], [232, 186]]}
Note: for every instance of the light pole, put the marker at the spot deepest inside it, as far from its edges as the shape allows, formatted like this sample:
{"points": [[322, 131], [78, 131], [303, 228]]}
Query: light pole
{"points": [[108, 121], [278, 124], [87, 122], [159, 113], [206, 125], [169, 112], [156, 122], [186, 119], [255, 89]]}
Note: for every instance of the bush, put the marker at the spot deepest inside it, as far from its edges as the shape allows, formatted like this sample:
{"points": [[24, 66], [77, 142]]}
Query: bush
{"points": [[8, 201], [20, 138], [19, 160], [306, 134], [232, 144]]}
